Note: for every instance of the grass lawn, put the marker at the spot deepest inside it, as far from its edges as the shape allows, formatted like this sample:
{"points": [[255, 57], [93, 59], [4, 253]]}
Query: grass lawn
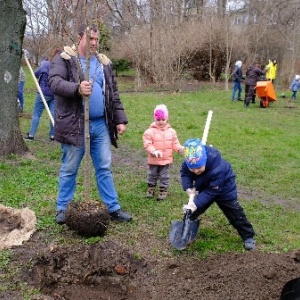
{"points": [[261, 144]]}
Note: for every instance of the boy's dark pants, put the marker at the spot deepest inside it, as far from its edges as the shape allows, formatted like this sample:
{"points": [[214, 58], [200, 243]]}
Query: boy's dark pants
{"points": [[235, 215]]}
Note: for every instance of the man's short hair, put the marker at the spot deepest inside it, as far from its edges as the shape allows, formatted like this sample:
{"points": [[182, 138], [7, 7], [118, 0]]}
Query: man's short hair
{"points": [[82, 28]]}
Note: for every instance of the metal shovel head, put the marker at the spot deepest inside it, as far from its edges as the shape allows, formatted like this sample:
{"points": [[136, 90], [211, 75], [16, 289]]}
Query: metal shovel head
{"points": [[183, 232]]}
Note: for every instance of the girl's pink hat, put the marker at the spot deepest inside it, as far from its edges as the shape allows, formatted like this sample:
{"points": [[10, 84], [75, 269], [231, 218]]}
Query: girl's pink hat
{"points": [[161, 112]]}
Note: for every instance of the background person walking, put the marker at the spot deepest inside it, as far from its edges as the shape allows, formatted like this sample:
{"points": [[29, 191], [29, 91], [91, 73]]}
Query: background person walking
{"points": [[271, 70], [42, 74], [294, 87], [253, 74], [237, 81]]}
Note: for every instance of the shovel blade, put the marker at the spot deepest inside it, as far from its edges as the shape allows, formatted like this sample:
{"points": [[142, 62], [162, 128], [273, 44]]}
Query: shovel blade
{"points": [[179, 237]]}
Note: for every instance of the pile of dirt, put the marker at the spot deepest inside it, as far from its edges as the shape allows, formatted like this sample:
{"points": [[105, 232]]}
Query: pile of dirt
{"points": [[16, 226], [107, 270]]}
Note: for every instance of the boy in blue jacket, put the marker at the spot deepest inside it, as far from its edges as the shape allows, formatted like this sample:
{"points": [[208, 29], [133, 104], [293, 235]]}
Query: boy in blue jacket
{"points": [[208, 178], [294, 87]]}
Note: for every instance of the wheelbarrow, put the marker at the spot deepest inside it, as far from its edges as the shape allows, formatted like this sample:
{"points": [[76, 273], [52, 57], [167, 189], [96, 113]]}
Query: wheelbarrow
{"points": [[266, 92]]}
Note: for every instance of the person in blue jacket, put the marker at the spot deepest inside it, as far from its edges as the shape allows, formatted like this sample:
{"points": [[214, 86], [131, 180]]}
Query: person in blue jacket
{"points": [[42, 75], [208, 178], [294, 87]]}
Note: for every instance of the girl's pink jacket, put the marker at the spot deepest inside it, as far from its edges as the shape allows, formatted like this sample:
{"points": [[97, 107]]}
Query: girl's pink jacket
{"points": [[162, 139]]}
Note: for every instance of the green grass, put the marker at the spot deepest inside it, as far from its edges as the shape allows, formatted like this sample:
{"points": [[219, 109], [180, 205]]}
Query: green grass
{"points": [[261, 144]]}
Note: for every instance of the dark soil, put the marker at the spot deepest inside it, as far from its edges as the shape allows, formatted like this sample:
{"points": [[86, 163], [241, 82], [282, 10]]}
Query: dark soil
{"points": [[108, 270], [88, 218]]}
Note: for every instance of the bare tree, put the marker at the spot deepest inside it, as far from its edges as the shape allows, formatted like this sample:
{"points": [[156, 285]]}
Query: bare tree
{"points": [[163, 38], [12, 26], [36, 41]]}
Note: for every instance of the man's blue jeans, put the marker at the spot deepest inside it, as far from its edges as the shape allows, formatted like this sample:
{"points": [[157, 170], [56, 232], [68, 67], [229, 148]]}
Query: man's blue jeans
{"points": [[236, 87], [100, 151], [38, 111]]}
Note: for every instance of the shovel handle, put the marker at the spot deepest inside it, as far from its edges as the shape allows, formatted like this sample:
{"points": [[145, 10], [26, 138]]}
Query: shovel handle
{"points": [[206, 128], [186, 225]]}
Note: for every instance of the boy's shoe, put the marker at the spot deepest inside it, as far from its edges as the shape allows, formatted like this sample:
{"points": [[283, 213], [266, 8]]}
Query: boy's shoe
{"points": [[52, 138], [150, 192], [60, 217], [28, 137], [120, 216], [249, 244], [162, 194]]}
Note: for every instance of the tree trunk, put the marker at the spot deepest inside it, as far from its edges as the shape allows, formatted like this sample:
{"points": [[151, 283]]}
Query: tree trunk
{"points": [[12, 27]]}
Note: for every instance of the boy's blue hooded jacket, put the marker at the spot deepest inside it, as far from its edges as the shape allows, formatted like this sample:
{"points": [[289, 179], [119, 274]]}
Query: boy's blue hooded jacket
{"points": [[216, 183]]}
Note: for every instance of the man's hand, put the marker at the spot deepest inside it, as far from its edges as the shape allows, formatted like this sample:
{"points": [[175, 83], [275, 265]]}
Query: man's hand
{"points": [[85, 88], [157, 153], [121, 128]]}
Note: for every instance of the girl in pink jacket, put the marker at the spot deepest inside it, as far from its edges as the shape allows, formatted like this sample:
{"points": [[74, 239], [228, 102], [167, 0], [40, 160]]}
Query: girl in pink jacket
{"points": [[160, 140]]}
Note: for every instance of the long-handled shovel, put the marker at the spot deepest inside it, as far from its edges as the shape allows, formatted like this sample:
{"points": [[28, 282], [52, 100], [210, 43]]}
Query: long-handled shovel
{"points": [[184, 232]]}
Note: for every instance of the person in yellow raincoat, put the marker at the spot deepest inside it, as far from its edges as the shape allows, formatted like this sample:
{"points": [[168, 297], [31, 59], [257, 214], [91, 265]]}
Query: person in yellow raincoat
{"points": [[271, 70]]}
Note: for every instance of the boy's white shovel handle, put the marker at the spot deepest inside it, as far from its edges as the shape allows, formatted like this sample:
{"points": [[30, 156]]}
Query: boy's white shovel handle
{"points": [[206, 128]]}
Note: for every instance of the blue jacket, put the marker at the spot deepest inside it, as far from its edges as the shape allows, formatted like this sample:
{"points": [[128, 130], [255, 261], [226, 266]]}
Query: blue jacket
{"points": [[42, 74], [295, 85], [216, 183]]}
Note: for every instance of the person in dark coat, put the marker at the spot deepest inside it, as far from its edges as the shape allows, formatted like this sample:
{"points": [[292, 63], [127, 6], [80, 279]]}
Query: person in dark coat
{"points": [[253, 74], [237, 81], [107, 119], [208, 178]]}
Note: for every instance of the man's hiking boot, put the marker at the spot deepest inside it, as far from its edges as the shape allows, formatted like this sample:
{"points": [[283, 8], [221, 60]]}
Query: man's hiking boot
{"points": [[60, 217], [120, 216]]}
